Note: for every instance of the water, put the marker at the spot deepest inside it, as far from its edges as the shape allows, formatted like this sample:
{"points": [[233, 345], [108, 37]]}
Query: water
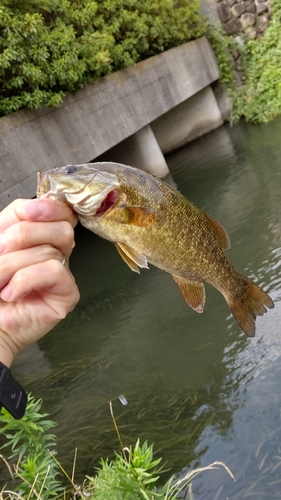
{"points": [[195, 385]]}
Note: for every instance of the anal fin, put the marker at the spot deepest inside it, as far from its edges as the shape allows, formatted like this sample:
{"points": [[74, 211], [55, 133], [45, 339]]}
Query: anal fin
{"points": [[193, 292], [133, 259]]}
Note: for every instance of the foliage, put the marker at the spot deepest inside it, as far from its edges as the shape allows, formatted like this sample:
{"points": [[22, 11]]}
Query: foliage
{"points": [[222, 45], [132, 479], [133, 475], [29, 441], [137, 478], [259, 98], [48, 47]]}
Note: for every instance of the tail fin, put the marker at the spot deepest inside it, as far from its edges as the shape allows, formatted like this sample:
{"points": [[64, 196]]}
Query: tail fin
{"points": [[253, 303]]}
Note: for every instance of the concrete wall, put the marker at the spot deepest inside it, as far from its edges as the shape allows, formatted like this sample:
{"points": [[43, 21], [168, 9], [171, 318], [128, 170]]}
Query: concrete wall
{"points": [[193, 118], [100, 116], [187, 121]]}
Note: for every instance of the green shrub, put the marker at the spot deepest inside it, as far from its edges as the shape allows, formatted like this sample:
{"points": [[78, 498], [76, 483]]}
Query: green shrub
{"points": [[259, 98], [131, 478], [222, 45], [48, 47]]}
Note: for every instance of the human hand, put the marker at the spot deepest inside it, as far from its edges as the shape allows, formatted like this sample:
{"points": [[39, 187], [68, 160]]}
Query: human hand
{"points": [[37, 291]]}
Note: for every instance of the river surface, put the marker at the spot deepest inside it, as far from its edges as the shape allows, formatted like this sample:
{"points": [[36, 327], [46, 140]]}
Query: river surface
{"points": [[196, 386]]}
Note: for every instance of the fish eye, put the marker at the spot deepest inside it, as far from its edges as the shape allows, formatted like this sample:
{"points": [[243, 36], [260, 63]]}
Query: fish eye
{"points": [[70, 169]]}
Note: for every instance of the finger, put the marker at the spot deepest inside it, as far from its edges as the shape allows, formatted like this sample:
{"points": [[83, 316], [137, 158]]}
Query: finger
{"points": [[13, 262], [50, 281], [48, 210], [27, 234], [36, 210]]}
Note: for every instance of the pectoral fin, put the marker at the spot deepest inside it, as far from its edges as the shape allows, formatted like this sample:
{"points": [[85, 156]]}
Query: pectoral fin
{"points": [[193, 292], [220, 232], [132, 258]]}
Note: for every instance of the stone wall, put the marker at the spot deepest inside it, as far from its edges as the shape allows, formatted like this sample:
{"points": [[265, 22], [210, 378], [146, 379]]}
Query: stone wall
{"points": [[243, 18], [249, 16]]}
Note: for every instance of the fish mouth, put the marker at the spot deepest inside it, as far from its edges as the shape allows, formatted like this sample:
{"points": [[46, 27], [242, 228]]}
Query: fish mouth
{"points": [[47, 188], [83, 201], [43, 185]]}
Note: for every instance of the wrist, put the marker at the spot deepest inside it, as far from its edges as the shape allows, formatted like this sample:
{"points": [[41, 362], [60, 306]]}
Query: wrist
{"points": [[6, 357], [12, 395], [8, 349]]}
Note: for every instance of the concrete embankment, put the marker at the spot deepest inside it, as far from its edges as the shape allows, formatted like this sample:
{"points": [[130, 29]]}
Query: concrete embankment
{"points": [[135, 116]]}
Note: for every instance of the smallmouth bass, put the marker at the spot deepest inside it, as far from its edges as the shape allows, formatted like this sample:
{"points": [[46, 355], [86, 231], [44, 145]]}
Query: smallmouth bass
{"points": [[150, 222]]}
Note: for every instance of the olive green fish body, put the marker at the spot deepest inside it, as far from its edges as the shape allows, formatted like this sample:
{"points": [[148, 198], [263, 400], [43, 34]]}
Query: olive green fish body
{"points": [[181, 241], [149, 222]]}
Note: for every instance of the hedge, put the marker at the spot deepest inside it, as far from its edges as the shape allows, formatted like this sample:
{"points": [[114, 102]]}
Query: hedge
{"points": [[48, 47]]}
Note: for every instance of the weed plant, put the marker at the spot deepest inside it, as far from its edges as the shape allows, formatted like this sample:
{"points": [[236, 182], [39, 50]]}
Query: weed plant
{"points": [[134, 474], [30, 441], [222, 45]]}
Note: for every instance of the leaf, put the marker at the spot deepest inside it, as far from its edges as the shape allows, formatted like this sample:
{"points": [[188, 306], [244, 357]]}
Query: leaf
{"points": [[50, 47]]}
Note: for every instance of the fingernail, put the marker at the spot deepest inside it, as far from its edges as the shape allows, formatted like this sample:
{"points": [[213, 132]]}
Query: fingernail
{"points": [[3, 242], [34, 209], [6, 292]]}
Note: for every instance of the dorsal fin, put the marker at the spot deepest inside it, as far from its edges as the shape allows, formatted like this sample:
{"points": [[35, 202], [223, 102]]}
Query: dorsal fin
{"points": [[220, 232]]}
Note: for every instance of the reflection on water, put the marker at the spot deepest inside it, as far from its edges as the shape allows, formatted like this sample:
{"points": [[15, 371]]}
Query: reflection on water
{"points": [[194, 384]]}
